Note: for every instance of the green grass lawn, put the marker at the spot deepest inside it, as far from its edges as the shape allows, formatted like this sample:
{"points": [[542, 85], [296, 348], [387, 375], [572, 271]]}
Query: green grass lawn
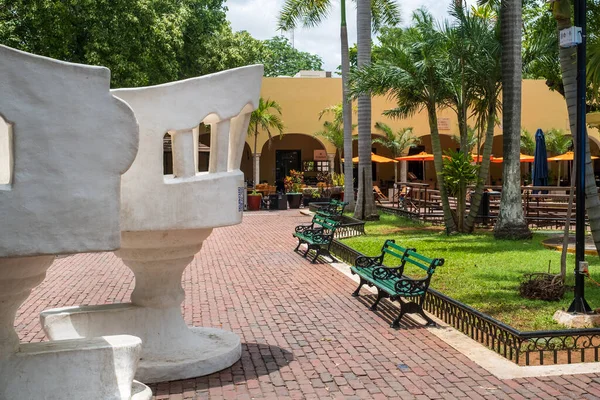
{"points": [[481, 271]]}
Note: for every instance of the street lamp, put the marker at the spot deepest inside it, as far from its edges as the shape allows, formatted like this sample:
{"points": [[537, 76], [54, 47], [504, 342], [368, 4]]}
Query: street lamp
{"points": [[568, 37]]}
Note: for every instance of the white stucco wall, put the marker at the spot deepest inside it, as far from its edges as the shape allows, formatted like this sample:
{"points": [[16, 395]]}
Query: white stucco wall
{"points": [[72, 141], [152, 201]]}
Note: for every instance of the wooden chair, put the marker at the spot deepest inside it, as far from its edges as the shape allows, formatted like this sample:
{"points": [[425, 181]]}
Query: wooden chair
{"points": [[379, 196]]}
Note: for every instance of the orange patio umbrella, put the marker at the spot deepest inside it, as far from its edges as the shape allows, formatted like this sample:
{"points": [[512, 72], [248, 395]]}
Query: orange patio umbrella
{"points": [[568, 156], [522, 158], [376, 159], [478, 158], [422, 156]]}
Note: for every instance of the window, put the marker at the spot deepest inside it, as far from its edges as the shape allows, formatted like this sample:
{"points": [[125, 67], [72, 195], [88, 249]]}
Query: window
{"points": [[322, 166], [308, 166]]}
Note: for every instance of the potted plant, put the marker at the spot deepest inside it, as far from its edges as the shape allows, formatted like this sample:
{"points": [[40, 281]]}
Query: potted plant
{"points": [[293, 187], [324, 192], [306, 196], [254, 200]]}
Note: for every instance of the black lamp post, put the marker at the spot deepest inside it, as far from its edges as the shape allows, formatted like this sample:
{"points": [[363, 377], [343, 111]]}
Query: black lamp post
{"points": [[579, 305]]}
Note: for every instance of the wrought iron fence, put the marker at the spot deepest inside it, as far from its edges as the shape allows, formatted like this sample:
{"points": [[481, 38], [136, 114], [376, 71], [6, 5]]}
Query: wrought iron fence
{"points": [[565, 346], [349, 227]]}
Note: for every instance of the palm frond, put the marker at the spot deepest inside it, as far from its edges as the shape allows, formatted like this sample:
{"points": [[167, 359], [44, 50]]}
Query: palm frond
{"points": [[308, 13]]}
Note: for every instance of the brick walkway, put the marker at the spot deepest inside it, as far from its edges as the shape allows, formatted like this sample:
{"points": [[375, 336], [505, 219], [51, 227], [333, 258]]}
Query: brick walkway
{"points": [[303, 335]]}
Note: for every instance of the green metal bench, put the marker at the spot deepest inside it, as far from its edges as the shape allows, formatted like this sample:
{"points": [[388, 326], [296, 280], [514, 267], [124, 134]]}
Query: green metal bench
{"points": [[333, 210], [391, 282], [318, 235]]}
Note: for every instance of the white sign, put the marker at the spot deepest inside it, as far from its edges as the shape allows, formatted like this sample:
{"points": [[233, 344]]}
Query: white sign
{"points": [[570, 37]]}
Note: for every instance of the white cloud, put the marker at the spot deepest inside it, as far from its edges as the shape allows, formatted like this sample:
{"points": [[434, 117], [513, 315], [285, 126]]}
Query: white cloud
{"points": [[259, 17]]}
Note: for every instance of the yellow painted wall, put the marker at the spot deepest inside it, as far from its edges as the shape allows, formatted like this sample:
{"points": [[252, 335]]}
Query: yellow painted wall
{"points": [[302, 99]]}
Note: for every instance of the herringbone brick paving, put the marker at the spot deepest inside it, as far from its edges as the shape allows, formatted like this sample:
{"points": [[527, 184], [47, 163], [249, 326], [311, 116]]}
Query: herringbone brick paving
{"points": [[304, 336]]}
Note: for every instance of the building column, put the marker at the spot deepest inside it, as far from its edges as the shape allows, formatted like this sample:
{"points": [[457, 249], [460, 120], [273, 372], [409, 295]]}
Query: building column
{"points": [[403, 171], [256, 169], [331, 159]]}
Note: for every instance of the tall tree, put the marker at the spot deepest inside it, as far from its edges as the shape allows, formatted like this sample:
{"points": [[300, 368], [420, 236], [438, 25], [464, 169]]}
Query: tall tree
{"points": [[397, 142], [365, 201], [281, 58], [143, 42], [266, 117], [310, 14], [407, 70], [475, 41], [511, 222], [559, 68]]}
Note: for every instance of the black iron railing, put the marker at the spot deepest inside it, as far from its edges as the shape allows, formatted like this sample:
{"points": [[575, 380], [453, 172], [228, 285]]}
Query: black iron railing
{"points": [[349, 227], [563, 346]]}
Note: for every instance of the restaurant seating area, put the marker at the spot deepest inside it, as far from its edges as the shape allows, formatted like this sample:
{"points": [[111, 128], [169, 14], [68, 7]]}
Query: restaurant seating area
{"points": [[543, 206]]}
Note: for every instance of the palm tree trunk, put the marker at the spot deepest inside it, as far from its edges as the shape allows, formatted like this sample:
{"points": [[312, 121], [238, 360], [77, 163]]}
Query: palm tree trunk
{"points": [[511, 222], [568, 66], [438, 163], [365, 206], [347, 113], [484, 169]]}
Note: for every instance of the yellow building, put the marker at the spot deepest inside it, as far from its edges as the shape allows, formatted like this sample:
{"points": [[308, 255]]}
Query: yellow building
{"points": [[302, 99]]}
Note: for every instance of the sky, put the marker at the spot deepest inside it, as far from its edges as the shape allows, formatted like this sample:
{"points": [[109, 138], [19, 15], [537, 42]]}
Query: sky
{"points": [[259, 17]]}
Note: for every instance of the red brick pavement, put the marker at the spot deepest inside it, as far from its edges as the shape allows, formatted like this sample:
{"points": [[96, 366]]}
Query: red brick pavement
{"points": [[304, 336]]}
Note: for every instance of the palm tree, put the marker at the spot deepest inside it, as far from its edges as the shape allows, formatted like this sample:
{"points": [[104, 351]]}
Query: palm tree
{"points": [[511, 222], [397, 142], [527, 142], [472, 73], [558, 143], [333, 131], [312, 13], [485, 72], [264, 119], [409, 72], [365, 202]]}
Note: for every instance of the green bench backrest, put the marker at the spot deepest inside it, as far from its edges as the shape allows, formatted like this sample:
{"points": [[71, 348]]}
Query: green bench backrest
{"points": [[411, 256], [392, 249], [325, 222], [427, 264]]}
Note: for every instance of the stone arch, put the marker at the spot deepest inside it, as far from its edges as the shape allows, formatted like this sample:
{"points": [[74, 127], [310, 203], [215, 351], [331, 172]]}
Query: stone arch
{"points": [[292, 149], [246, 162]]}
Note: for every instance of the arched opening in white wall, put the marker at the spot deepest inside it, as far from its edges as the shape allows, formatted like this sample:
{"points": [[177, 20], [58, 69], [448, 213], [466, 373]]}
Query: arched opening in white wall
{"points": [[6, 154], [201, 142]]}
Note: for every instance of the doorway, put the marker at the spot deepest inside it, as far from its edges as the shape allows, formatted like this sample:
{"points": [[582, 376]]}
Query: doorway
{"points": [[285, 161]]}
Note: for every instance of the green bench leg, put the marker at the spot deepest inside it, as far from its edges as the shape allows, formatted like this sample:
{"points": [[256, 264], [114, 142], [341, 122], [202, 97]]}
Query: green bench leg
{"points": [[299, 243], [360, 285], [317, 252], [380, 295], [411, 308]]}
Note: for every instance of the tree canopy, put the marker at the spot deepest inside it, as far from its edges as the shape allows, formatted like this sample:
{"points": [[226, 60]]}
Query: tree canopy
{"points": [[144, 42]]}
